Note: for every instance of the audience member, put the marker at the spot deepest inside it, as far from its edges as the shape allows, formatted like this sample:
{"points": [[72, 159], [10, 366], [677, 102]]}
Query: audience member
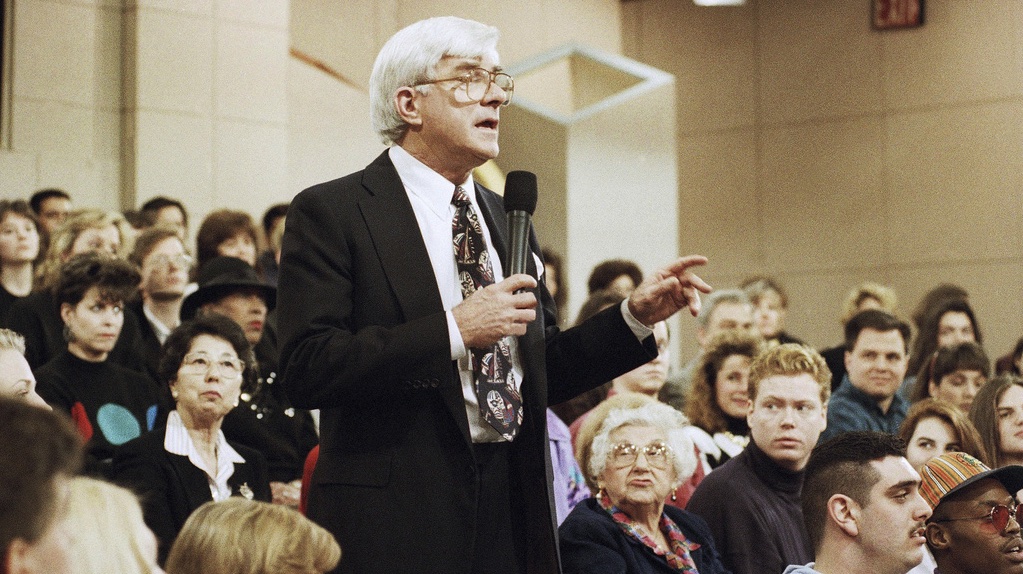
{"points": [[226, 233], [975, 525], [589, 429], [19, 250], [51, 207], [864, 296], [164, 264], [953, 374], [933, 298], [109, 403], [1011, 363], [997, 412], [273, 226], [638, 458], [277, 541], [266, 420], [574, 408], [16, 378], [934, 427], [752, 502], [569, 484], [618, 275], [189, 461], [37, 316], [951, 322], [770, 307], [166, 211], [719, 399], [722, 310], [862, 506], [875, 365], [554, 278], [39, 452], [110, 535]]}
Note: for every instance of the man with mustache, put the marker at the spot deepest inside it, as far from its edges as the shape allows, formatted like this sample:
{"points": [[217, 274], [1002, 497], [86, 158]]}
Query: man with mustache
{"points": [[975, 526], [862, 506], [752, 502]]}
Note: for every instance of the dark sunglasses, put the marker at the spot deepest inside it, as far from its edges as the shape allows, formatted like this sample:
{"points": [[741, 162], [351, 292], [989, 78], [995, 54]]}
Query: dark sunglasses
{"points": [[999, 516]]}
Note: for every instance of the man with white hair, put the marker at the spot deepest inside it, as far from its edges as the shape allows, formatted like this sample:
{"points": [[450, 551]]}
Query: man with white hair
{"points": [[432, 366]]}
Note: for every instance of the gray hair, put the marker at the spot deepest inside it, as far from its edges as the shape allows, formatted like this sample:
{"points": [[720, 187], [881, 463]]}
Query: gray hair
{"points": [[711, 302], [409, 58], [9, 340], [657, 415]]}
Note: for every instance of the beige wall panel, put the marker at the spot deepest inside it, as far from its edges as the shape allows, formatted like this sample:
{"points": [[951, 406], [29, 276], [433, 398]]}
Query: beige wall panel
{"points": [[175, 158], [817, 59], [59, 129], [251, 68], [55, 51], [965, 51], [823, 202], [19, 174], [995, 289], [107, 135], [174, 62], [955, 177], [345, 35], [711, 53], [329, 134], [717, 215], [250, 165], [92, 182], [195, 7], [269, 13], [107, 73]]}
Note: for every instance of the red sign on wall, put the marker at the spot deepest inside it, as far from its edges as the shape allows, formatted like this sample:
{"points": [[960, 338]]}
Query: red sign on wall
{"points": [[889, 14]]}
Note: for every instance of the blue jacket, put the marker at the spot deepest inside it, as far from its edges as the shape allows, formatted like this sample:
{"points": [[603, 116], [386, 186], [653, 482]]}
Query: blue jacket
{"points": [[592, 543]]}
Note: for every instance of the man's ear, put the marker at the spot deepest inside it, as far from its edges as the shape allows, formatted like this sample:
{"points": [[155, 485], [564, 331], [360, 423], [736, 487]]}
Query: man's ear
{"points": [[845, 513], [406, 102], [937, 537]]}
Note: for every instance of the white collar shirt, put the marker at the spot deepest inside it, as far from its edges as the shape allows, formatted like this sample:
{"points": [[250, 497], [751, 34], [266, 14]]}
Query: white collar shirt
{"points": [[177, 441]]}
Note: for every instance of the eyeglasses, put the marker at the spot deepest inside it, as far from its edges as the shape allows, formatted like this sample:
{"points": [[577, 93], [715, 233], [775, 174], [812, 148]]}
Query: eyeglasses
{"points": [[477, 83], [201, 363], [181, 260], [999, 516], [626, 454]]}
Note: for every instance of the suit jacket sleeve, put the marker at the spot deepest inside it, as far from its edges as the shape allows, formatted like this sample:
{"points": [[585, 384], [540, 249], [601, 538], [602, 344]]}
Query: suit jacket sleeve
{"points": [[138, 467]]}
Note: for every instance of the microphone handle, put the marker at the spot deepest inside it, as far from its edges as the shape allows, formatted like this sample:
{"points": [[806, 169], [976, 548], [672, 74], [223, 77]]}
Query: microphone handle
{"points": [[518, 247]]}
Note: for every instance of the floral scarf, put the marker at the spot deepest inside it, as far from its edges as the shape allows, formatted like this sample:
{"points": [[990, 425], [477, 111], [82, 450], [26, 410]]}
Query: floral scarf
{"points": [[678, 557]]}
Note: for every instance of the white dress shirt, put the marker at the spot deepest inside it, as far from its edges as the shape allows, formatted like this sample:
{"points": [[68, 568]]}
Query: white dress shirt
{"points": [[430, 195], [177, 441]]}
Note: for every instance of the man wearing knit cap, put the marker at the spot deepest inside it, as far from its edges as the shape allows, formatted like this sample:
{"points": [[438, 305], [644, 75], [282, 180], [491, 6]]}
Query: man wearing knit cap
{"points": [[974, 528]]}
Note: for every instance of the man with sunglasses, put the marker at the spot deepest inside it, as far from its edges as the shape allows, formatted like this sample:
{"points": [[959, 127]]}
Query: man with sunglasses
{"points": [[431, 364], [975, 527]]}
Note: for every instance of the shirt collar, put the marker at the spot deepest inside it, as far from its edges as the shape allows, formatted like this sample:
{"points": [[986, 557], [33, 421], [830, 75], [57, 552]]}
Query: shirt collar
{"points": [[429, 186], [177, 441], [159, 329]]}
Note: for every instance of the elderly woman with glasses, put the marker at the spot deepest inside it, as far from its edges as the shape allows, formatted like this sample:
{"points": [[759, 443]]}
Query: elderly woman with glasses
{"points": [[189, 462], [637, 459]]}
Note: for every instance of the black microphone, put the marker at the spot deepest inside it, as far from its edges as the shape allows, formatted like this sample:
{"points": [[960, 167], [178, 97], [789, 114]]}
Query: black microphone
{"points": [[519, 203]]}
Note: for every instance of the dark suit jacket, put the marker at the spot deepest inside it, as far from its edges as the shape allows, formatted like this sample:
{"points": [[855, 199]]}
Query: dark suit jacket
{"points": [[364, 338], [171, 487], [593, 543]]}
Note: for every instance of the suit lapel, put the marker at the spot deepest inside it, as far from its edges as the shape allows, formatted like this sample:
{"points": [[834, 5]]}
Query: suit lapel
{"points": [[192, 480], [402, 253]]}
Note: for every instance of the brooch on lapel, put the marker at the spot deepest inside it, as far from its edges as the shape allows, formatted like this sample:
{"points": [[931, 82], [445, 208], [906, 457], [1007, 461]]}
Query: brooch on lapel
{"points": [[245, 491]]}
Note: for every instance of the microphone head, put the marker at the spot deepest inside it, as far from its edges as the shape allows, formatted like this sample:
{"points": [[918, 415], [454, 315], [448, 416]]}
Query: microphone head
{"points": [[520, 192]]}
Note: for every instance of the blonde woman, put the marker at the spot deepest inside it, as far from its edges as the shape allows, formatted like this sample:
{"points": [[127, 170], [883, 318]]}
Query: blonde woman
{"points": [[109, 533], [239, 536]]}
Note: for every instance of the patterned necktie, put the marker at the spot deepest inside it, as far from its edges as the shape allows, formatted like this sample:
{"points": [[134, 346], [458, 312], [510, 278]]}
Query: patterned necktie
{"points": [[499, 401]]}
